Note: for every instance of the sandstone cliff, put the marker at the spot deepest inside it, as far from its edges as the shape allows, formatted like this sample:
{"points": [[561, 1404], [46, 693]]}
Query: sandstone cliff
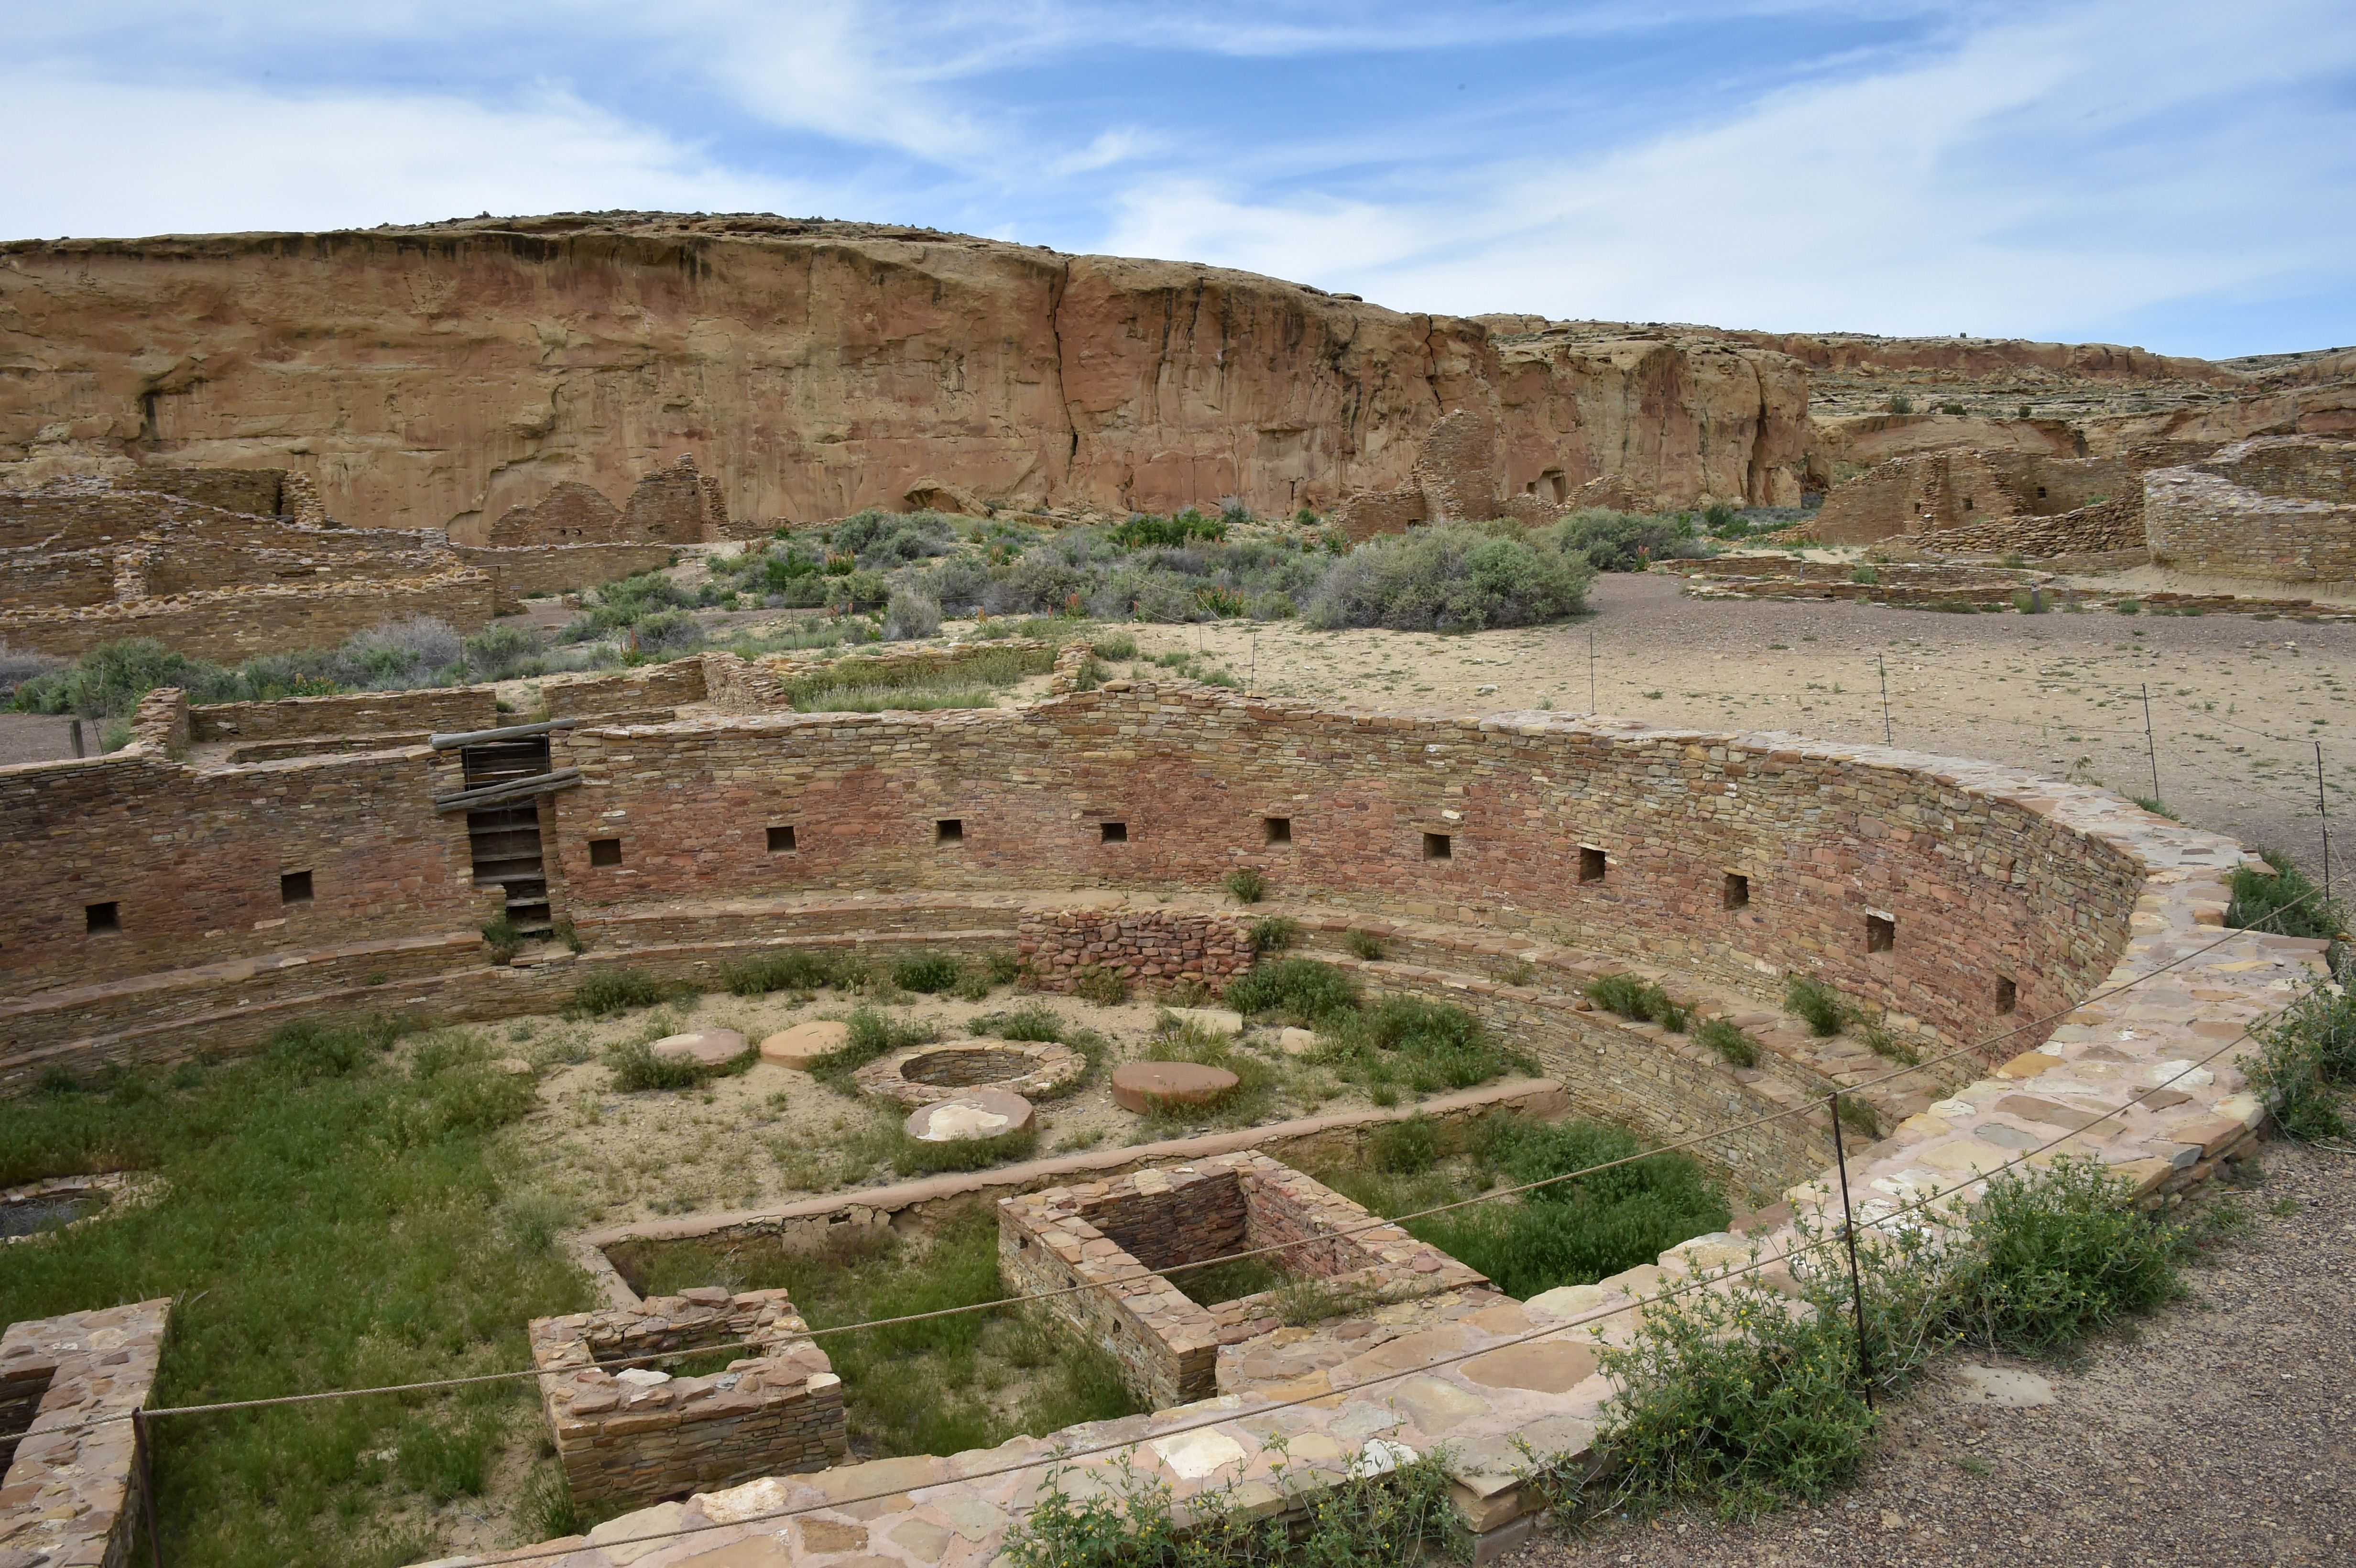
{"points": [[442, 375]]}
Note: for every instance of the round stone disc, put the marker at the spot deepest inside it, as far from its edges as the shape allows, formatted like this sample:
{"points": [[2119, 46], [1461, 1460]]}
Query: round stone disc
{"points": [[706, 1048], [975, 1114], [1141, 1086], [804, 1043]]}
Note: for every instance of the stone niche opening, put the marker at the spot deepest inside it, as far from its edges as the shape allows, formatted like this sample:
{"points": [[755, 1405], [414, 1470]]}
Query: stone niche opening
{"points": [[1115, 1233], [645, 1433]]}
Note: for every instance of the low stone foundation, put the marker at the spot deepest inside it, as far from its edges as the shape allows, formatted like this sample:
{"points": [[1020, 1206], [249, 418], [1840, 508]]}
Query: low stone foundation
{"points": [[1117, 1231], [65, 1500], [640, 1435], [1154, 948]]}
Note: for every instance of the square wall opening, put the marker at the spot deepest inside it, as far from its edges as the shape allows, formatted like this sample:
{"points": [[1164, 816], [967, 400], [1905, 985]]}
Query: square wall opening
{"points": [[1112, 832], [293, 887], [949, 830], [1276, 829], [2007, 995], [1439, 847], [605, 852], [1591, 863], [1881, 934], [100, 918], [781, 841], [1737, 890]]}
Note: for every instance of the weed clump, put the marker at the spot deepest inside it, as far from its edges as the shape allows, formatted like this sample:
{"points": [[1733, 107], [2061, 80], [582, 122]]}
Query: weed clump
{"points": [[1633, 997], [1302, 989], [1816, 1004], [1364, 945], [637, 1067], [1246, 886], [1734, 1047], [620, 990], [2286, 902], [2305, 1058], [1274, 934]]}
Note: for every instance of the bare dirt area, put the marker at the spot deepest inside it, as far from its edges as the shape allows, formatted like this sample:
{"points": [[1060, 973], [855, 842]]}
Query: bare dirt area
{"points": [[2238, 704], [40, 738], [771, 1134], [2214, 1432]]}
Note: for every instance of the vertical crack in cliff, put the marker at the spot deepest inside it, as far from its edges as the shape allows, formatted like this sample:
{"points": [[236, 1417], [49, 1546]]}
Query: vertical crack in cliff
{"points": [[1756, 491], [1056, 293]]}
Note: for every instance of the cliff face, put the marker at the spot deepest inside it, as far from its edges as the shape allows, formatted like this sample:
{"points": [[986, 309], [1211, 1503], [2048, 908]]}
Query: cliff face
{"points": [[440, 376]]}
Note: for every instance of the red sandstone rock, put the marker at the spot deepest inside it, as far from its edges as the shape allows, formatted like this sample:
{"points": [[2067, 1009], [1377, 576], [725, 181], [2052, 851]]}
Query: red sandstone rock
{"points": [[804, 1043], [1142, 1086], [709, 1048], [975, 1114]]}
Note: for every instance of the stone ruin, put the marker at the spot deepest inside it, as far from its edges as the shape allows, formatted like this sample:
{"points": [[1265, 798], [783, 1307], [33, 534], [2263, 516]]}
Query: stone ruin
{"points": [[1459, 477], [684, 814], [226, 565], [2269, 508], [671, 506]]}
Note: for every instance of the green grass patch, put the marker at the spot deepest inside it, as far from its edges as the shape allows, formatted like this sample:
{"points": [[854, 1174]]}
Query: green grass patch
{"points": [[1246, 1103], [1301, 990], [1825, 1010], [917, 1156], [333, 1218], [1734, 1047], [1246, 886], [936, 1387], [872, 1035], [2305, 1062], [1423, 1046]]}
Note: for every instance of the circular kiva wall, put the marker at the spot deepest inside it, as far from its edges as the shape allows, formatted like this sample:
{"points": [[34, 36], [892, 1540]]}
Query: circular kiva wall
{"points": [[171, 897]]}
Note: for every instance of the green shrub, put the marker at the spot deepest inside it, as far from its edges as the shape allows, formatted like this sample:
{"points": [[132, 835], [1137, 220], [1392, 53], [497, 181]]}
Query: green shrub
{"points": [[1301, 989], [1274, 932], [308, 1049], [1863, 574], [504, 941], [1104, 986], [1365, 944], [1031, 1021], [1734, 1401], [1449, 578], [2305, 1057], [1429, 1046], [637, 1067], [929, 973], [2060, 1256], [1124, 1521], [1878, 1038], [768, 972], [1406, 1148], [1629, 541], [2286, 904], [1633, 997], [868, 1035], [1114, 645], [621, 989], [1246, 886], [444, 1461], [1816, 1004], [1731, 1044]]}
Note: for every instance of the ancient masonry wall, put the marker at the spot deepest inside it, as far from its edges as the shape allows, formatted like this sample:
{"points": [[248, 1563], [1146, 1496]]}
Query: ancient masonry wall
{"points": [[530, 572], [2280, 508], [1495, 824], [1154, 948], [66, 1493], [1113, 1232], [454, 709], [641, 1434]]}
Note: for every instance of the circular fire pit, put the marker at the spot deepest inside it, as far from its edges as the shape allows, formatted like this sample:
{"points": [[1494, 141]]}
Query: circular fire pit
{"points": [[1036, 1069]]}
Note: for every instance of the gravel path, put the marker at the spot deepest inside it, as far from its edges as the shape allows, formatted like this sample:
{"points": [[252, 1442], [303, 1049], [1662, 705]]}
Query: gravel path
{"points": [[2220, 1431]]}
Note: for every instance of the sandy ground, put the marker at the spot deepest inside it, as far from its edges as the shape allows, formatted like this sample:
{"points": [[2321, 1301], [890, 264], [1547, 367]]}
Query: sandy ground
{"points": [[771, 1135], [2216, 1432], [2238, 704]]}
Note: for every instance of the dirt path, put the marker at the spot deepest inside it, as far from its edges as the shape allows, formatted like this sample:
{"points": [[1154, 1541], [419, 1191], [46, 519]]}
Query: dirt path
{"points": [[2217, 1433], [2236, 703]]}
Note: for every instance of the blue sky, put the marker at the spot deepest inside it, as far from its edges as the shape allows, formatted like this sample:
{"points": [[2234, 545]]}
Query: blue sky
{"points": [[2181, 176]]}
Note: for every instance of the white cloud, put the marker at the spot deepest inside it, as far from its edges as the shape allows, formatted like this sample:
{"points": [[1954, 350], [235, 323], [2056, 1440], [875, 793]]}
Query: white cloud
{"points": [[2028, 177], [106, 158]]}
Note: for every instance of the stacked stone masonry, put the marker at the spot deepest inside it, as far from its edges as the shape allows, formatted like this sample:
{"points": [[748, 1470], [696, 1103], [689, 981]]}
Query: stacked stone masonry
{"points": [[2279, 507], [637, 1433], [68, 1386], [1060, 948], [1117, 1234]]}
